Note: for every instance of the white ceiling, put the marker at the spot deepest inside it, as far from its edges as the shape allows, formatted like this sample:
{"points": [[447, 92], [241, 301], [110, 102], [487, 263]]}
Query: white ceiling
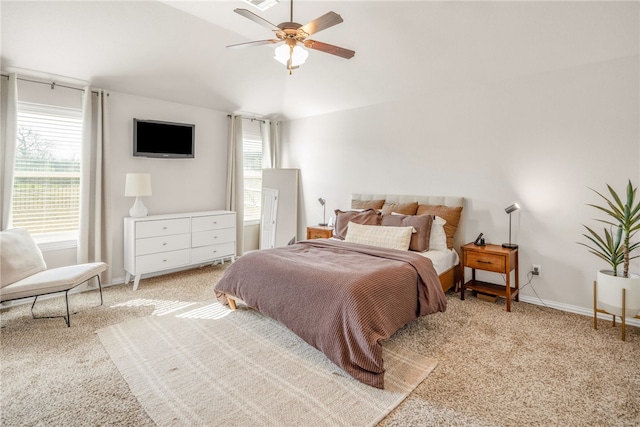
{"points": [[175, 50]]}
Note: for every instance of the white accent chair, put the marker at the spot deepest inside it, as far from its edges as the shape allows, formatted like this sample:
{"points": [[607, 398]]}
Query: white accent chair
{"points": [[24, 274]]}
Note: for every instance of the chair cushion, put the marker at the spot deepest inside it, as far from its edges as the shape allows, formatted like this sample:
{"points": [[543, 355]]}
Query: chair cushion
{"points": [[20, 257], [52, 280]]}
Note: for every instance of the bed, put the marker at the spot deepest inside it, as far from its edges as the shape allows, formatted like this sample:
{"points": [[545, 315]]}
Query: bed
{"points": [[345, 297]]}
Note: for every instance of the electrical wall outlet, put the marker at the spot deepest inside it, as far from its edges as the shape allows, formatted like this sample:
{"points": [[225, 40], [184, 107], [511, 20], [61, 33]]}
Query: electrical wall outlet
{"points": [[536, 270]]}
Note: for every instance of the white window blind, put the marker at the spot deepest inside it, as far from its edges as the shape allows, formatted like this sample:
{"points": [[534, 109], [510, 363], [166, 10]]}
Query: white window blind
{"points": [[46, 192], [252, 158]]}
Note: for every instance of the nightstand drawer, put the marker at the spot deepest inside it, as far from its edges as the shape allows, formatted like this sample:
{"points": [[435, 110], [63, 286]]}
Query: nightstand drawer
{"points": [[485, 261], [319, 232]]}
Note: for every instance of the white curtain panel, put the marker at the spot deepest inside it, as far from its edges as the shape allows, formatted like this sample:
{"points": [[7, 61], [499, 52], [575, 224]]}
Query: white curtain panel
{"points": [[275, 144], [95, 242], [235, 178], [265, 135], [270, 133], [9, 122]]}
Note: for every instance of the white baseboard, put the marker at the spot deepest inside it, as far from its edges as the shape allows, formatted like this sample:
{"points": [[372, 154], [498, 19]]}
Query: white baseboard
{"points": [[574, 309]]}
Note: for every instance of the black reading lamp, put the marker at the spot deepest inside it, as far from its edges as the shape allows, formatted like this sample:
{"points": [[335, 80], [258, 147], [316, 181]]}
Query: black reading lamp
{"points": [[509, 209], [323, 202]]}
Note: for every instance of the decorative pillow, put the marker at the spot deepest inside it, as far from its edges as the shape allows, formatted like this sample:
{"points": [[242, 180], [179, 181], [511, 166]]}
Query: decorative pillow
{"points": [[367, 217], [401, 208], [367, 204], [448, 213], [421, 223], [438, 238], [20, 257], [378, 235]]}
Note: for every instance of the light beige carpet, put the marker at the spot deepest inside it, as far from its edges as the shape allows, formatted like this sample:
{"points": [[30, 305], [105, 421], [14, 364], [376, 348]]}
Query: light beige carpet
{"points": [[531, 367], [206, 365]]}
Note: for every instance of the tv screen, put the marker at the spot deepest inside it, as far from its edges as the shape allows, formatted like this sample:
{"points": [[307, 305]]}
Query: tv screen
{"points": [[153, 138]]}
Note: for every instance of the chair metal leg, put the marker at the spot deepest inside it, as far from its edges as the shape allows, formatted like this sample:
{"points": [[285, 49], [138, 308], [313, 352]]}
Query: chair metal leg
{"points": [[67, 318]]}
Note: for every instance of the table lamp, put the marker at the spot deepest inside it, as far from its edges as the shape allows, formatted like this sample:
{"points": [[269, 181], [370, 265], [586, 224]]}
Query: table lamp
{"points": [[138, 185], [323, 202], [509, 209]]}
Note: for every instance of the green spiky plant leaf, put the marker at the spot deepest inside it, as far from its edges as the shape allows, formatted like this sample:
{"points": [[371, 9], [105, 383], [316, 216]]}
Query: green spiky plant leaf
{"points": [[625, 218]]}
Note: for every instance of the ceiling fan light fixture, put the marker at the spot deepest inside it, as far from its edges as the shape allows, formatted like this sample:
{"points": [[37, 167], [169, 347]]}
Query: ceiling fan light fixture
{"points": [[298, 55]]}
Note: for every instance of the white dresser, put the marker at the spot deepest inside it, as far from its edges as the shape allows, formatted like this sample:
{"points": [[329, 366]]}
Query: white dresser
{"points": [[163, 242]]}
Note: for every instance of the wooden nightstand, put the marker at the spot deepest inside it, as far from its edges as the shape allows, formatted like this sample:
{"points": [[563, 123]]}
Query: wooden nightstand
{"points": [[492, 258], [319, 232]]}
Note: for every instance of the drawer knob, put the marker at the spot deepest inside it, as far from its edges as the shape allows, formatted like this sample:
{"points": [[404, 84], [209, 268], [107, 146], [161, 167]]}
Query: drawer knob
{"points": [[484, 262], [164, 260], [164, 244], [164, 228]]}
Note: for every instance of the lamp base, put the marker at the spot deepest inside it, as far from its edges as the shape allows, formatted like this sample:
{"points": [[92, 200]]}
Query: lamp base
{"points": [[510, 245], [323, 224], [138, 210]]}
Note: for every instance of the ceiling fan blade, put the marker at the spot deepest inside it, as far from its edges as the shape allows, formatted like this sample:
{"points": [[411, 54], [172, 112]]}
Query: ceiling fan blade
{"points": [[255, 43], [329, 48], [327, 20], [255, 18]]}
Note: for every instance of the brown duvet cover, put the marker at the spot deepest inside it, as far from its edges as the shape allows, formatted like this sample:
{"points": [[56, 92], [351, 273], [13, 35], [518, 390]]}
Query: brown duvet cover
{"points": [[343, 298]]}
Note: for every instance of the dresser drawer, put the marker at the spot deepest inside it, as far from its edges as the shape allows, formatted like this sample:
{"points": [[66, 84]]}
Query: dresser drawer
{"points": [[162, 261], [213, 222], [153, 245], [213, 237], [208, 253], [163, 227], [486, 261]]}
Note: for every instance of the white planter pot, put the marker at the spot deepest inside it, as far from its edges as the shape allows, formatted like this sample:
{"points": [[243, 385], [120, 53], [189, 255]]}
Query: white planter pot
{"points": [[610, 293]]}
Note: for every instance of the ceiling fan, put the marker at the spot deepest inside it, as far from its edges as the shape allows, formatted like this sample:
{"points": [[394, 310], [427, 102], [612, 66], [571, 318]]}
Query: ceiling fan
{"points": [[294, 35]]}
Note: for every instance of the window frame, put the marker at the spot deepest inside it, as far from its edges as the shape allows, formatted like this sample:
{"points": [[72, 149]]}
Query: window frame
{"points": [[55, 240]]}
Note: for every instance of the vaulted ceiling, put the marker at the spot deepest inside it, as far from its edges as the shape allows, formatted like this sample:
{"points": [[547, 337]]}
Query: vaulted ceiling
{"points": [[176, 50]]}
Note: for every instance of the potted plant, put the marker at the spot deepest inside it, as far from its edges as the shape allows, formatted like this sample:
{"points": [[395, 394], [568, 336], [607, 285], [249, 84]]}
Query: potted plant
{"points": [[616, 248]]}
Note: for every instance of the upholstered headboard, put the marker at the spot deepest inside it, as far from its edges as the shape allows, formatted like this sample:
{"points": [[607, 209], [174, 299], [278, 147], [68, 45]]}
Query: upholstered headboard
{"points": [[458, 239]]}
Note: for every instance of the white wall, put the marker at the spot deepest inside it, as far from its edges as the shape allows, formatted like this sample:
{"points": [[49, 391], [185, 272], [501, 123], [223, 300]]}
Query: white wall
{"points": [[179, 185], [539, 140]]}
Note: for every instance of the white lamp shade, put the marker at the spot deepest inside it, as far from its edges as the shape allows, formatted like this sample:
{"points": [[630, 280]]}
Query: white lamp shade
{"points": [[298, 56], [137, 184]]}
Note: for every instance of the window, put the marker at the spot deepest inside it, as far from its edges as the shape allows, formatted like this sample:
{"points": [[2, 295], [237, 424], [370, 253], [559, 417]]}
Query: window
{"points": [[46, 191], [252, 159]]}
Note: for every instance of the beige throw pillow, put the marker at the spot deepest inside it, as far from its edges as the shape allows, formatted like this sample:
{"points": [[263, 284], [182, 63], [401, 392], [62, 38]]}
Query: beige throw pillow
{"points": [[400, 208], [367, 204], [378, 235]]}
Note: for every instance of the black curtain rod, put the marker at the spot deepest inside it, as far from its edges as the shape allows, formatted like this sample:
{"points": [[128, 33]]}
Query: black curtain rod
{"points": [[249, 118], [52, 84]]}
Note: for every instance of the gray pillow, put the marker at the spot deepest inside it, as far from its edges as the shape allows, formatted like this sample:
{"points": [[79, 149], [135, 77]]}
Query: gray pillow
{"points": [[421, 223], [368, 217]]}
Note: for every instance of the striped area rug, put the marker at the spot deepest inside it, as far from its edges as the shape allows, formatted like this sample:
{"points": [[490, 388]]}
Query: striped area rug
{"points": [[206, 365]]}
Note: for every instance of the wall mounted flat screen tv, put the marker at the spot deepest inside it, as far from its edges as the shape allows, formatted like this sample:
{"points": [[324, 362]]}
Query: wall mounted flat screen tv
{"points": [[153, 138]]}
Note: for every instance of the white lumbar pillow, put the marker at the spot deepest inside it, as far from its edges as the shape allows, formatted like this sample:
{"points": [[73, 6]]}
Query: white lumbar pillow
{"points": [[379, 235]]}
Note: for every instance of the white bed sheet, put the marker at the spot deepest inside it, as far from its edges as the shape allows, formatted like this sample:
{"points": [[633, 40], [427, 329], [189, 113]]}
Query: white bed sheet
{"points": [[442, 261]]}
